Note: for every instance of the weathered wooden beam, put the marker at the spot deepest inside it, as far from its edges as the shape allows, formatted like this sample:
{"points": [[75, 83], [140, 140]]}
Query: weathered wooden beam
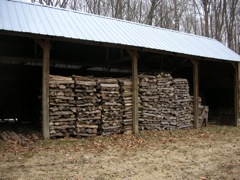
{"points": [[40, 43], [134, 56], [45, 44], [236, 93], [120, 60], [9, 59], [196, 92]]}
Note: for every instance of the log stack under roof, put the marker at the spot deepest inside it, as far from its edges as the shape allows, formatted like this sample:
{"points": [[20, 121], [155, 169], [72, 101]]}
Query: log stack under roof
{"points": [[87, 106], [165, 102], [127, 104], [61, 106], [88, 114], [111, 106], [182, 100], [150, 114]]}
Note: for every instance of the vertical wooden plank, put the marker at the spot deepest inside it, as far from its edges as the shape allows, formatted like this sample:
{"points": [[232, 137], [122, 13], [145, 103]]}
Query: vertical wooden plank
{"points": [[237, 96], [195, 93], [134, 56], [45, 89]]}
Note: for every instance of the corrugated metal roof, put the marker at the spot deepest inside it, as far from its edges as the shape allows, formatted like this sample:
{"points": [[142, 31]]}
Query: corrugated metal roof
{"points": [[44, 20]]}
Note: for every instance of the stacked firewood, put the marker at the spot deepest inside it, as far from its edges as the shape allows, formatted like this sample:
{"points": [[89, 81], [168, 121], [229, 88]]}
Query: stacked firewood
{"points": [[62, 106], [182, 101], [88, 113], [165, 102], [111, 118], [85, 106], [150, 115], [127, 102], [11, 136]]}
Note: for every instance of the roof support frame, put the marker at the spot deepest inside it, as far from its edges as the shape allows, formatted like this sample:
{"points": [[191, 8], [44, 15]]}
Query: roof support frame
{"points": [[46, 46], [134, 56], [102, 44], [195, 92], [237, 93]]}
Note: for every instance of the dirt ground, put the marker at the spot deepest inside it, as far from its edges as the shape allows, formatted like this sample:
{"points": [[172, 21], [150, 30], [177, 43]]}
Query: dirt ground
{"points": [[207, 153]]}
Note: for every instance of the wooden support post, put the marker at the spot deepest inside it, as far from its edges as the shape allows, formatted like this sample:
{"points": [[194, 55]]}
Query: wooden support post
{"points": [[45, 89], [196, 93], [236, 92], [45, 44], [134, 56]]}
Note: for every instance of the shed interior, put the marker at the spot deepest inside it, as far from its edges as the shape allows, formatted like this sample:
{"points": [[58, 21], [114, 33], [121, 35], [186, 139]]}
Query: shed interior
{"points": [[21, 74]]}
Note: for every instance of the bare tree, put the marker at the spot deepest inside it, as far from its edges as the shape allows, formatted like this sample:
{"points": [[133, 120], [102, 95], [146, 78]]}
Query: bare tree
{"points": [[230, 11], [206, 7], [58, 3], [151, 14]]}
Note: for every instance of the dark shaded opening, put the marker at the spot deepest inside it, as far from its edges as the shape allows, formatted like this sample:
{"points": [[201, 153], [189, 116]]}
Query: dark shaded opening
{"points": [[216, 89], [20, 94]]}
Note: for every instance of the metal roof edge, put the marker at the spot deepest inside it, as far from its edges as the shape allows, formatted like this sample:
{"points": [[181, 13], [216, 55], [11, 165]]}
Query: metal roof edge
{"points": [[171, 41], [110, 18]]}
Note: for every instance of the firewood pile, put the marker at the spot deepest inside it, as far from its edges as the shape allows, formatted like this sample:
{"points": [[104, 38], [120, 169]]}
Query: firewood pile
{"points": [[12, 136], [87, 106], [111, 118], [182, 101], [166, 103], [88, 113], [150, 115], [126, 97], [61, 106]]}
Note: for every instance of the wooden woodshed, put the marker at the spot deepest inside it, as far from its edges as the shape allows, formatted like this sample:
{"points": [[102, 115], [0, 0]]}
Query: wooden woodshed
{"points": [[36, 40]]}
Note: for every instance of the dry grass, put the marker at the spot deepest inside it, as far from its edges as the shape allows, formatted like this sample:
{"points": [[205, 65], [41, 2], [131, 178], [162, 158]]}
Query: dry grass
{"points": [[207, 153]]}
